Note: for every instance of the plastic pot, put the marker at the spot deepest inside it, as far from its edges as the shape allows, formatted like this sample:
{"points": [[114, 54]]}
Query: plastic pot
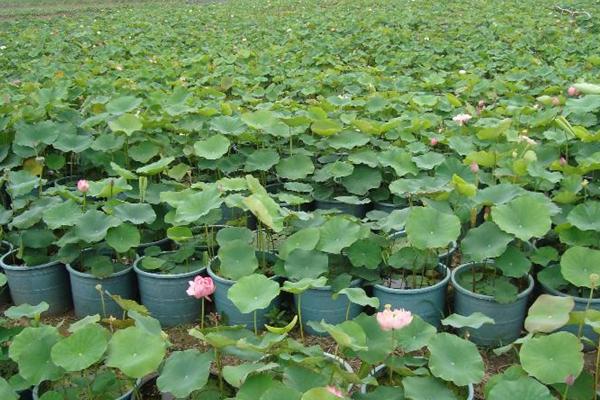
{"points": [[5, 247], [357, 210], [428, 302], [87, 300], [126, 396], [227, 309], [580, 305], [388, 207], [165, 295], [508, 317], [33, 284], [344, 364], [317, 304], [377, 371]]}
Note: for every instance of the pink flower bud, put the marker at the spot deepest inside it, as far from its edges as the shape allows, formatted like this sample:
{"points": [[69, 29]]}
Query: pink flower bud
{"points": [[462, 119], [474, 167], [335, 391], [433, 141], [572, 91], [570, 380], [201, 287], [83, 186], [563, 161], [555, 101]]}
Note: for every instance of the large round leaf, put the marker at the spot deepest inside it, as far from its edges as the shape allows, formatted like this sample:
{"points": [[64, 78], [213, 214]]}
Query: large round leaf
{"points": [[93, 226], [428, 228], [212, 148], [455, 359], [261, 160], [524, 388], [126, 123], [123, 237], [337, 234], [578, 263], [238, 259], [362, 180], [82, 349], [136, 213], [586, 216], [416, 335], [525, 217], [426, 388], [552, 358], [306, 264], [548, 313], [185, 372], [31, 350], [485, 241], [305, 239], [254, 292], [297, 166], [26, 310], [135, 352], [6, 391]]}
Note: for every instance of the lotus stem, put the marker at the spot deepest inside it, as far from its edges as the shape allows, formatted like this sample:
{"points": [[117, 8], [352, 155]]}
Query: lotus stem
{"points": [[300, 316], [202, 315], [255, 325], [587, 307], [219, 363], [597, 367]]}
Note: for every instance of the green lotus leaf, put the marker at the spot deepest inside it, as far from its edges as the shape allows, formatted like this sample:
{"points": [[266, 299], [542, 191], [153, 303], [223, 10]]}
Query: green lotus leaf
{"points": [[365, 253], [143, 152], [238, 259], [253, 292], [26, 310], [475, 320], [126, 123], [156, 167], [586, 216], [326, 127], [303, 285], [513, 263], [3, 281], [231, 233], [297, 166], [337, 234], [261, 160], [358, 296], [379, 342], [525, 217], [136, 213], [549, 313], [135, 352], [82, 349], [31, 349], [348, 140], [108, 188], [552, 358], [337, 169], [363, 156], [498, 194], [235, 375], [455, 359], [261, 119], [319, 393], [6, 390], [425, 185], [228, 125], [198, 205], [362, 180], [212, 148], [123, 104], [577, 264], [266, 210], [69, 141], [427, 227], [185, 372], [429, 160], [179, 233], [93, 226], [416, 335], [348, 334], [45, 132], [82, 323], [302, 264], [399, 160], [108, 142], [524, 388], [485, 241], [284, 329], [62, 214], [21, 183], [123, 237], [425, 388]]}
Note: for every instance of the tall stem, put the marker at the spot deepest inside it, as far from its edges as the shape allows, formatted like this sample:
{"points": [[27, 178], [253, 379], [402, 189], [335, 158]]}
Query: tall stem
{"points": [[587, 307], [300, 316], [255, 325], [202, 315], [597, 368]]}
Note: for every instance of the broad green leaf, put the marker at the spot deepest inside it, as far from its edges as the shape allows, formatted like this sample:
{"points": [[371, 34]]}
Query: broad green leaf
{"points": [[485, 241], [93, 226], [123, 237], [238, 259], [135, 352], [428, 228], [475, 320], [302, 264], [337, 234], [212, 148], [549, 313], [26, 311], [359, 296], [253, 292], [156, 167], [455, 359], [296, 166], [525, 217], [586, 216], [136, 213], [126, 123], [426, 387], [185, 372], [82, 349], [577, 265]]}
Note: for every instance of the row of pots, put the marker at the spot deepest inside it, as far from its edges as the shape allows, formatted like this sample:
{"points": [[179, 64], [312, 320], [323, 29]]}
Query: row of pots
{"points": [[165, 297]]}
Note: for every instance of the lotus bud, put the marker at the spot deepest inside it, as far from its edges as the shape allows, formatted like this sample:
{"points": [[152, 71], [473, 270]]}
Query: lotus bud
{"points": [[433, 141], [555, 101], [83, 186], [563, 161], [335, 391], [572, 91], [584, 183], [98, 287], [514, 154], [474, 167], [594, 278], [569, 380]]}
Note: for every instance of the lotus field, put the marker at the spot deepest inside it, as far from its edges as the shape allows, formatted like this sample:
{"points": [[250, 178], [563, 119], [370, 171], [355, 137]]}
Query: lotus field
{"points": [[300, 200]]}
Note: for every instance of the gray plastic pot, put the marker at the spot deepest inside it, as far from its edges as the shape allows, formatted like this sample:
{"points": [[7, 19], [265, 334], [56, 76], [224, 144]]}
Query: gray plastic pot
{"points": [[126, 396], [317, 304], [428, 303], [508, 317], [87, 300], [379, 370], [165, 295], [33, 284], [580, 305], [357, 210], [5, 247], [388, 207], [227, 309]]}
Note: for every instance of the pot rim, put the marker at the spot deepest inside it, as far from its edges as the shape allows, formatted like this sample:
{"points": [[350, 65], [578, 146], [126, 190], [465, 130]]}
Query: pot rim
{"points": [[25, 267], [86, 275], [226, 281], [443, 282], [381, 367], [152, 275], [555, 292], [456, 271]]}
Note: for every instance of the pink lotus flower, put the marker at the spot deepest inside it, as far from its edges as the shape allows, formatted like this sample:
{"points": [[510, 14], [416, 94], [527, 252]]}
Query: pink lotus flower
{"points": [[201, 287], [335, 391], [474, 167], [569, 380], [433, 141], [555, 101], [572, 91], [389, 319], [83, 186], [462, 119], [563, 161]]}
